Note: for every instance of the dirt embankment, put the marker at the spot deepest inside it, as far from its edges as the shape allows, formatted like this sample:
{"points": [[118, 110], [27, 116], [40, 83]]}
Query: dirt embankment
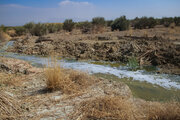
{"points": [[110, 46]]}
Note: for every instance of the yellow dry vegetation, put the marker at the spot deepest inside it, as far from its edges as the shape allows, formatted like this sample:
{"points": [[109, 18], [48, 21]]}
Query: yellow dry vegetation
{"points": [[9, 107], [163, 111], [67, 81], [4, 36]]}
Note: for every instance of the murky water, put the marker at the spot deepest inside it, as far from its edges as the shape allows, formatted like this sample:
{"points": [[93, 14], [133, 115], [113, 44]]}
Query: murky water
{"points": [[169, 82]]}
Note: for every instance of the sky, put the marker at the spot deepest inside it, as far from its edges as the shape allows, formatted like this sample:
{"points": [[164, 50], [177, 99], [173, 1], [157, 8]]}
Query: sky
{"points": [[19, 12]]}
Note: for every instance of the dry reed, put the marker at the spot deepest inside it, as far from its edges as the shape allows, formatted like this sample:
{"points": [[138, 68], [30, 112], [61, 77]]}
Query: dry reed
{"points": [[9, 107], [164, 111], [68, 82], [105, 108]]}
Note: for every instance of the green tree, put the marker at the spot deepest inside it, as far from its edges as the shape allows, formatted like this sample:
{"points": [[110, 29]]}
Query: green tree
{"points": [[120, 24], [177, 21], [167, 21], [68, 25]]}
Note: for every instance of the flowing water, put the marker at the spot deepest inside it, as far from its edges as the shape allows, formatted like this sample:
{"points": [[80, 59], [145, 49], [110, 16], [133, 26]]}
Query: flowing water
{"points": [[145, 84]]}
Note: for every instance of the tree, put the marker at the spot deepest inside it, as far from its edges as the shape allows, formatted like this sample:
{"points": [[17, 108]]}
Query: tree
{"points": [[177, 21], [166, 21], [120, 24], [144, 22], [68, 25]]}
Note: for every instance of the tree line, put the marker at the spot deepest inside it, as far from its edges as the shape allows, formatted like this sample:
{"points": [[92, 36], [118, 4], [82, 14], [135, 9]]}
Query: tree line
{"points": [[97, 24]]}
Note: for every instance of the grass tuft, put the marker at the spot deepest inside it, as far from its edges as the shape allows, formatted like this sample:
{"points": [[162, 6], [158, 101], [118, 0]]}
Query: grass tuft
{"points": [[164, 111], [106, 108], [67, 81]]}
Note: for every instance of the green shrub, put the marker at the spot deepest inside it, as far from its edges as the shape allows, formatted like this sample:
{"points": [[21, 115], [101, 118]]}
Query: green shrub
{"points": [[3, 28], [99, 21], [144, 22], [120, 24], [39, 29], [20, 30], [54, 27], [133, 63], [85, 26], [98, 24], [151, 22], [177, 21], [42, 28], [109, 22], [29, 26], [68, 25], [167, 21]]}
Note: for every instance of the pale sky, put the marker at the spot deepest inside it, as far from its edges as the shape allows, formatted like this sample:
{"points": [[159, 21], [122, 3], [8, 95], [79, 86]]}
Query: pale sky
{"points": [[19, 12]]}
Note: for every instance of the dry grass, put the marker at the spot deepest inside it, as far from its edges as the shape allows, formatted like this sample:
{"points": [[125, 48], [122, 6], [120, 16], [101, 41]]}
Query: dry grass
{"points": [[164, 111], [57, 80], [105, 108], [8, 79], [9, 108], [67, 81], [4, 36], [12, 32]]}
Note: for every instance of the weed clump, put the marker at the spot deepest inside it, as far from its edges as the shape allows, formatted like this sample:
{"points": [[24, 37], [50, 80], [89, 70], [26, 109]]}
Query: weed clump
{"points": [[133, 63]]}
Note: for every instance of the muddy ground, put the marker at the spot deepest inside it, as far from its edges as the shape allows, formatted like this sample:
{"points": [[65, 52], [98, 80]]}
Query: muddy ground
{"points": [[158, 46]]}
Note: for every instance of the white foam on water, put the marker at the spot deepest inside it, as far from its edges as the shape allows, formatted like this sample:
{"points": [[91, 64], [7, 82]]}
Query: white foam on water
{"points": [[158, 79]]}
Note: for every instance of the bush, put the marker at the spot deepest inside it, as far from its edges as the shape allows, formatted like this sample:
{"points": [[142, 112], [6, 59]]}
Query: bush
{"points": [[166, 21], [144, 22], [151, 22], [68, 25], [120, 24], [54, 27], [42, 29], [3, 28], [98, 24], [39, 29], [177, 21], [99, 21], [29, 26], [85, 26], [20, 30], [109, 22], [133, 63]]}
